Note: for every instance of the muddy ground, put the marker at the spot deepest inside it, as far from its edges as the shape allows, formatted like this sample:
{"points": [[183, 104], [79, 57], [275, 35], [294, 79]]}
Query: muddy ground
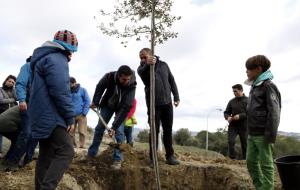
{"points": [[197, 171]]}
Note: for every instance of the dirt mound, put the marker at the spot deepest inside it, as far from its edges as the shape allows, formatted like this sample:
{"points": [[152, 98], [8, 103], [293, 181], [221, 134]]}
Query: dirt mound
{"points": [[136, 173], [195, 172]]}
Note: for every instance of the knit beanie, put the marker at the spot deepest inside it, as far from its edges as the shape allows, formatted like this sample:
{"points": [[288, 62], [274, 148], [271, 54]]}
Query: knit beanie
{"points": [[67, 39]]}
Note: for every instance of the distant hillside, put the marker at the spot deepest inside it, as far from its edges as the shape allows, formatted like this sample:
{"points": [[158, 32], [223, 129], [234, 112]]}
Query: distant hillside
{"points": [[290, 134], [194, 133]]}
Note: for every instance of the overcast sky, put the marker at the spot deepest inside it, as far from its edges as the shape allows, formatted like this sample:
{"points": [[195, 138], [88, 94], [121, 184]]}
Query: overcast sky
{"points": [[215, 39]]}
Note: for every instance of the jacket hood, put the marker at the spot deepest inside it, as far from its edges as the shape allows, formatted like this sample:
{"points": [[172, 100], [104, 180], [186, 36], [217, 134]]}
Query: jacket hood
{"points": [[46, 49]]}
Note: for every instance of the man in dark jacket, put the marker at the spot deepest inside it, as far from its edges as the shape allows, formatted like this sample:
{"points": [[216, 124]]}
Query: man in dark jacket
{"points": [[50, 108], [164, 85], [114, 93], [235, 114]]}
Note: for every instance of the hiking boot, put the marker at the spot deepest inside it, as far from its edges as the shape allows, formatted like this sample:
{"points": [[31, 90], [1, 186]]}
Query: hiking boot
{"points": [[116, 165], [7, 166], [172, 161], [12, 166]]}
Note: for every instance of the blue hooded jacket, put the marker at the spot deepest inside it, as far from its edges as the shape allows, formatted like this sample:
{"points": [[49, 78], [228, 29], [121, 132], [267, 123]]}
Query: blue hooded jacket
{"points": [[81, 100], [24, 82], [50, 103]]}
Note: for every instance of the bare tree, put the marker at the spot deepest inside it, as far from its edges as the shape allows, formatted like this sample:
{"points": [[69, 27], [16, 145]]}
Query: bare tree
{"points": [[130, 19]]}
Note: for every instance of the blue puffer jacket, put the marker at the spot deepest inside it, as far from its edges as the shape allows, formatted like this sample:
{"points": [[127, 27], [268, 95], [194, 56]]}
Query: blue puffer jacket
{"points": [[81, 100], [50, 103]]}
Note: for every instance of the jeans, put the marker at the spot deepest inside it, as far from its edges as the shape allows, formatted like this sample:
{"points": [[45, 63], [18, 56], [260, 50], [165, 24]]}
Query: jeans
{"points": [[260, 163], [31, 145], [234, 131], [106, 113], [164, 115], [128, 134], [56, 154]]}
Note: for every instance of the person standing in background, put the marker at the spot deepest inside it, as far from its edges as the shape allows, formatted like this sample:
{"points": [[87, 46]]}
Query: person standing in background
{"points": [[129, 123], [236, 116], [81, 102]]}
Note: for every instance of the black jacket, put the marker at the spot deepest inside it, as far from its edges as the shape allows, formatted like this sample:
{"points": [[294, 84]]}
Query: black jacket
{"points": [[263, 111], [164, 83], [237, 105], [116, 97]]}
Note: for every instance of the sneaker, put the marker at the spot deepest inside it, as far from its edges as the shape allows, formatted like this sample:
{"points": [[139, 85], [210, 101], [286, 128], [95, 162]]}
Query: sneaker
{"points": [[172, 161], [116, 165]]}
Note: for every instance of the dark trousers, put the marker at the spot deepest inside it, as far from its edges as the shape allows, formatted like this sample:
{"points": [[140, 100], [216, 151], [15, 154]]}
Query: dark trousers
{"points": [[128, 134], [164, 116], [12, 136], [55, 155], [233, 131]]}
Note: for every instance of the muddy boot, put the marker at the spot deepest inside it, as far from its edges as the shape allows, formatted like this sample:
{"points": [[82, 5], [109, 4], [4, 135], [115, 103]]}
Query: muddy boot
{"points": [[116, 165], [12, 166], [172, 161], [131, 144], [3, 166]]}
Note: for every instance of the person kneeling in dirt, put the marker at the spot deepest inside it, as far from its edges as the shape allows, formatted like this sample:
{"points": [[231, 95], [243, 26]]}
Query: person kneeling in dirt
{"points": [[119, 88], [10, 128], [24, 143]]}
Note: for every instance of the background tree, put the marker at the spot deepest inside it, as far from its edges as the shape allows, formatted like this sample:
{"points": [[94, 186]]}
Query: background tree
{"points": [[182, 136], [130, 19], [143, 136]]}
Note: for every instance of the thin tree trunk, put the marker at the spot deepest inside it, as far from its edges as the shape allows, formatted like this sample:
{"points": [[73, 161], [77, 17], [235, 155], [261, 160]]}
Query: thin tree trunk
{"points": [[152, 102]]}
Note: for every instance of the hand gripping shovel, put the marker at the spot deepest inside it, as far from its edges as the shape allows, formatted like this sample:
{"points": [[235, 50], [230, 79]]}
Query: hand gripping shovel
{"points": [[114, 144]]}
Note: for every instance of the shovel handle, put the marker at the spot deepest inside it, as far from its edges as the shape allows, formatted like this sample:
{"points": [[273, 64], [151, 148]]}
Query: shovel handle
{"points": [[97, 111]]}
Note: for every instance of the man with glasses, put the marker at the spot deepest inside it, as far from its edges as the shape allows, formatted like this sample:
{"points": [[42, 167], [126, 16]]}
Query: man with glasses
{"points": [[235, 114]]}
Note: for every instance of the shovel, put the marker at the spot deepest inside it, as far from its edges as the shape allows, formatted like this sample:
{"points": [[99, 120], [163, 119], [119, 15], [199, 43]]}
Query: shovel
{"points": [[114, 144]]}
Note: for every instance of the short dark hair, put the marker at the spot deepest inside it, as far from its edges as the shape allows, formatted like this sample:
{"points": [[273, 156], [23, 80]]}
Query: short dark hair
{"points": [[72, 80], [237, 86], [9, 77], [258, 61], [124, 70], [148, 50]]}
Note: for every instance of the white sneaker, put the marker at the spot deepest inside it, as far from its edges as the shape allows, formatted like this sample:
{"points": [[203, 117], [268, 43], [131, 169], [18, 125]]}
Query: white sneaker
{"points": [[116, 165]]}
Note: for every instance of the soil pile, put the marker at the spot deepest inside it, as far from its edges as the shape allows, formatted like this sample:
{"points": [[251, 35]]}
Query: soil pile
{"points": [[194, 172]]}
